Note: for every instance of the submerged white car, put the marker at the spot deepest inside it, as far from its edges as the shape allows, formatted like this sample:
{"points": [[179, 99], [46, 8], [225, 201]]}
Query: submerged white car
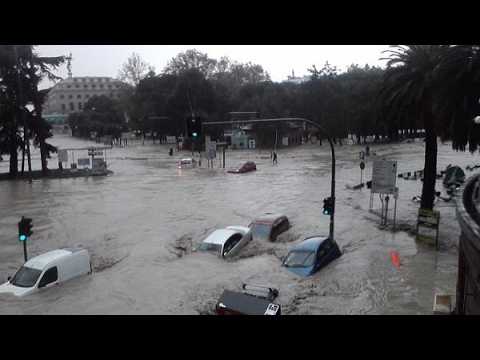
{"points": [[51, 268], [227, 242], [187, 163]]}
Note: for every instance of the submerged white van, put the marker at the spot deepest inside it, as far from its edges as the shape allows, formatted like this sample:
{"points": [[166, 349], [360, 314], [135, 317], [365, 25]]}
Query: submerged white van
{"points": [[51, 268]]}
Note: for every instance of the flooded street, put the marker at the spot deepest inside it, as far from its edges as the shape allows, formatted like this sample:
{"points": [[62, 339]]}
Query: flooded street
{"points": [[143, 223]]}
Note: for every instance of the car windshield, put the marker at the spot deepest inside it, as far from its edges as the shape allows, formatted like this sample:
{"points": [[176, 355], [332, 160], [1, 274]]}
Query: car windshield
{"points": [[300, 259], [261, 230], [25, 277], [210, 247]]}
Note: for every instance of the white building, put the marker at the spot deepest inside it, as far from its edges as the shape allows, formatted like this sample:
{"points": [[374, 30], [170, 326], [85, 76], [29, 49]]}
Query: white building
{"points": [[71, 94], [297, 80]]}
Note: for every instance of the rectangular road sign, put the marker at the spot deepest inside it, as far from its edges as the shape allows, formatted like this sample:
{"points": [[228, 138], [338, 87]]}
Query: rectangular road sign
{"points": [[384, 176], [211, 150], [63, 155]]}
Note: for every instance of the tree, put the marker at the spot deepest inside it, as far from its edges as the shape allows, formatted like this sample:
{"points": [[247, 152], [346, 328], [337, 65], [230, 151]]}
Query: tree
{"points": [[191, 59], [458, 91], [101, 115], [409, 85], [21, 70], [135, 69]]}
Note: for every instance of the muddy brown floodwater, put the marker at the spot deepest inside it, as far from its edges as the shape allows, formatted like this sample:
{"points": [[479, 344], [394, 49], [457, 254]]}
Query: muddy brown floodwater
{"points": [[143, 223]]}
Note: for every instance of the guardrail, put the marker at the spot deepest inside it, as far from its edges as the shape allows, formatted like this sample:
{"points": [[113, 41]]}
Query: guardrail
{"points": [[468, 279]]}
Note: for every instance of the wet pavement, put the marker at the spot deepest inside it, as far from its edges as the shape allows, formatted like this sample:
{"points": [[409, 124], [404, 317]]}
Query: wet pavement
{"points": [[143, 223]]}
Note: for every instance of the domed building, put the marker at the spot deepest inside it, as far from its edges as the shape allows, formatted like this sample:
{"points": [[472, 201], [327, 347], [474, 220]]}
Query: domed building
{"points": [[71, 94]]}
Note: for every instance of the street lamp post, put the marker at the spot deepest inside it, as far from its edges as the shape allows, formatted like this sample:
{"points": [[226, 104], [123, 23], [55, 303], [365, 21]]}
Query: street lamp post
{"points": [[257, 121]]}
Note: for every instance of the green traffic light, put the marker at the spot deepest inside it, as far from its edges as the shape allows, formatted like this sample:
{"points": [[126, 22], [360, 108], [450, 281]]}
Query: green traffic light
{"points": [[194, 134], [22, 238]]}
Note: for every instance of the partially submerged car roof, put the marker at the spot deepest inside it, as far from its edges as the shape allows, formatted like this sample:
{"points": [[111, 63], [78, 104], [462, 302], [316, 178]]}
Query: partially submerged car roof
{"points": [[268, 217], [311, 243], [219, 236], [243, 303], [39, 262]]}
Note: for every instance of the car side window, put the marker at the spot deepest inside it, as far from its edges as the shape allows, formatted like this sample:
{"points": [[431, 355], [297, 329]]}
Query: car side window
{"points": [[50, 276], [284, 225], [230, 243]]}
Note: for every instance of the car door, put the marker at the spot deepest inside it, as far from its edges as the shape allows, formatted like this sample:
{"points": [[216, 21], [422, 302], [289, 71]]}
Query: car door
{"points": [[244, 240], [49, 278], [324, 254], [230, 243]]}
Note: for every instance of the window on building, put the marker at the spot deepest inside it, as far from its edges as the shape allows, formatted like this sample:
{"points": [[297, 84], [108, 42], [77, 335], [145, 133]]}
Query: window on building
{"points": [[94, 86], [62, 96], [85, 86], [70, 96], [77, 86], [72, 106], [64, 107], [79, 96], [80, 106], [87, 96], [69, 86], [109, 86]]}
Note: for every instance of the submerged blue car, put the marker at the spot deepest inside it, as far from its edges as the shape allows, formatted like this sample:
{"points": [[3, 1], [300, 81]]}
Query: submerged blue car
{"points": [[311, 255]]}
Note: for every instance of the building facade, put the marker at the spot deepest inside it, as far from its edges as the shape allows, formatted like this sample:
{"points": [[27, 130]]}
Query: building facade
{"points": [[71, 94]]}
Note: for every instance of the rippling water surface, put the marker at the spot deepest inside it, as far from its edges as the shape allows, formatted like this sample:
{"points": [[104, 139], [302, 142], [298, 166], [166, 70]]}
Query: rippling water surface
{"points": [[143, 223]]}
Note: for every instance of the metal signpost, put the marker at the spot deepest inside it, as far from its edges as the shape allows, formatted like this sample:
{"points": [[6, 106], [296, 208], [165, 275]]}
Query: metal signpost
{"points": [[362, 167], [384, 177], [427, 226]]}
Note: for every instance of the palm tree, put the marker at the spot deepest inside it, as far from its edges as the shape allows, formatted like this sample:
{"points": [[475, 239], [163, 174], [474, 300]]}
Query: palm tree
{"points": [[410, 86], [458, 84]]}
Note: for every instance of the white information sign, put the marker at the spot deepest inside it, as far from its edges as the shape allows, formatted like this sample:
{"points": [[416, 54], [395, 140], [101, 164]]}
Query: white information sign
{"points": [[212, 150], [63, 155], [384, 176]]}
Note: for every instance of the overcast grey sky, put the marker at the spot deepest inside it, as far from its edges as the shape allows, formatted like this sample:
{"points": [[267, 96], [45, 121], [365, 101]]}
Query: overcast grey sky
{"points": [[278, 60]]}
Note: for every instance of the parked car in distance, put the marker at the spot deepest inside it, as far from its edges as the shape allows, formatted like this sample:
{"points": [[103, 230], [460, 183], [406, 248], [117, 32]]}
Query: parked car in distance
{"points": [[311, 255], [247, 167], [227, 242], [46, 270], [269, 226], [187, 163]]}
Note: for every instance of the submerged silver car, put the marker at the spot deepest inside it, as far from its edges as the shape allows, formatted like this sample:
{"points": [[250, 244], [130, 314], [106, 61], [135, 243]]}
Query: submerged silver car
{"points": [[227, 242]]}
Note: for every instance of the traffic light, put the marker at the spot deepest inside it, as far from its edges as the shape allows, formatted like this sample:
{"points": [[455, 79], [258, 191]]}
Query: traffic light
{"points": [[194, 126], [25, 228], [328, 206]]}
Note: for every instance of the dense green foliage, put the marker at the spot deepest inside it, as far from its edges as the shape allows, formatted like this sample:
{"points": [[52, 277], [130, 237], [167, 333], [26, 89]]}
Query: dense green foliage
{"points": [[21, 71]]}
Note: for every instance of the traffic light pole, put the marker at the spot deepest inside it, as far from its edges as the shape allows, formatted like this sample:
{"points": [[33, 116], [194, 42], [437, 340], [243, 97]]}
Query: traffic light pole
{"points": [[25, 250], [310, 122]]}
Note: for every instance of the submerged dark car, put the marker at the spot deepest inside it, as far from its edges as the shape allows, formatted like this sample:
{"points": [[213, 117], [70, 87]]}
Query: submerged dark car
{"points": [[254, 300], [311, 255], [247, 167], [269, 226]]}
